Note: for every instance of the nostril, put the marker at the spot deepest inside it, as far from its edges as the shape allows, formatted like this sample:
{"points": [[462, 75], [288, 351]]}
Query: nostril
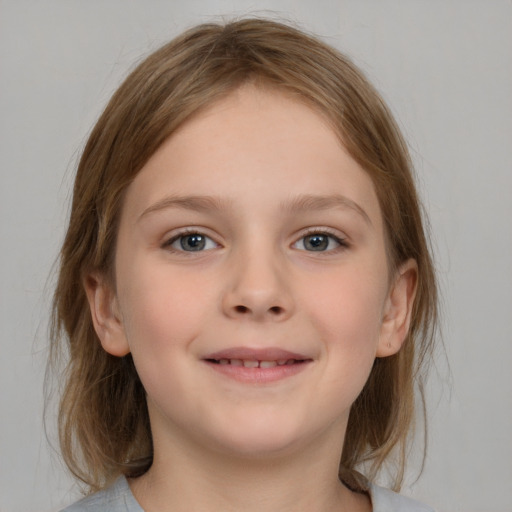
{"points": [[276, 310], [241, 309]]}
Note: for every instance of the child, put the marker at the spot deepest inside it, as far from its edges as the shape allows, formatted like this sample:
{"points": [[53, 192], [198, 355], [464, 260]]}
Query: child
{"points": [[245, 286]]}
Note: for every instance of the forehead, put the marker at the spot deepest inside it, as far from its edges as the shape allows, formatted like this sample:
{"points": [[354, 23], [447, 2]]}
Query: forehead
{"points": [[254, 139]]}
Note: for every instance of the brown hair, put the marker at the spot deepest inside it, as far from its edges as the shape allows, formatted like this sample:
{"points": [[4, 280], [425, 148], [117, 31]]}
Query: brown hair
{"points": [[103, 423]]}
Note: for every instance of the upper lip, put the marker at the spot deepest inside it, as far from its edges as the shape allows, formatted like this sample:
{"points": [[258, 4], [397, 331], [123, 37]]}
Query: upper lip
{"points": [[260, 354]]}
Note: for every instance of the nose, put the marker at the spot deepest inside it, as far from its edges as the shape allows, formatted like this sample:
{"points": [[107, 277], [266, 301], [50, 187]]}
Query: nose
{"points": [[258, 289]]}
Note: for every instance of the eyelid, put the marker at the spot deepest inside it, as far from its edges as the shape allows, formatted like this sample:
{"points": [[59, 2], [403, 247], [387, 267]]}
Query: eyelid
{"points": [[336, 235], [322, 230], [176, 234]]}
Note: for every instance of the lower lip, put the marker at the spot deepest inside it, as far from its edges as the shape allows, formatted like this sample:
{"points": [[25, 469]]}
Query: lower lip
{"points": [[259, 375]]}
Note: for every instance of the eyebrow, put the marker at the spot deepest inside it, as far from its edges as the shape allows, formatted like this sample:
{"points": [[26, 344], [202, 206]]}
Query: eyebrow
{"points": [[302, 203], [195, 203], [313, 202]]}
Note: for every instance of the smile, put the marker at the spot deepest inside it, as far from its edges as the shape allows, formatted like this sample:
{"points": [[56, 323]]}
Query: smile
{"points": [[251, 363], [257, 366]]}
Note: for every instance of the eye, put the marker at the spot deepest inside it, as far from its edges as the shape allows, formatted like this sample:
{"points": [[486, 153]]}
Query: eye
{"points": [[191, 242], [319, 242]]}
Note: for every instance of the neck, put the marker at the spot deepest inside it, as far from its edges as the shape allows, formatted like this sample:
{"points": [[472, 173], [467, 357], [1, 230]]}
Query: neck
{"points": [[210, 481]]}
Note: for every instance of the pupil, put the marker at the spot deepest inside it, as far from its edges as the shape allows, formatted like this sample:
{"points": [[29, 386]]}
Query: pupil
{"points": [[316, 242], [193, 242]]}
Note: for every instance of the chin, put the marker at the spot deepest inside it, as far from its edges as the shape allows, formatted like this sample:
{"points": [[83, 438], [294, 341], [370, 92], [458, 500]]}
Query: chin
{"points": [[260, 439]]}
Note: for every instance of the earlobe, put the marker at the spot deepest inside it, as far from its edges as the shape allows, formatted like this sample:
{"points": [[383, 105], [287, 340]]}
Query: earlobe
{"points": [[398, 310], [105, 315]]}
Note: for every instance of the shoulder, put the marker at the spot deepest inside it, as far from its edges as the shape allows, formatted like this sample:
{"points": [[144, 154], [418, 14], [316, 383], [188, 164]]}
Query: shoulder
{"points": [[116, 498], [384, 500]]}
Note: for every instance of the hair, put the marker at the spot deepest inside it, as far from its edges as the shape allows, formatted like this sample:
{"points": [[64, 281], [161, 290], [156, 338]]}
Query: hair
{"points": [[104, 427]]}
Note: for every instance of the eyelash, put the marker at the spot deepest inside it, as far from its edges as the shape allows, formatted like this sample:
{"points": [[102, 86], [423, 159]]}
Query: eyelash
{"points": [[168, 244], [342, 243]]}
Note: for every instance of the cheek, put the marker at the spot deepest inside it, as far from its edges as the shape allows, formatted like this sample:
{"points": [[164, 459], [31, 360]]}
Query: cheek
{"points": [[349, 306], [163, 314], [347, 312], [162, 310]]}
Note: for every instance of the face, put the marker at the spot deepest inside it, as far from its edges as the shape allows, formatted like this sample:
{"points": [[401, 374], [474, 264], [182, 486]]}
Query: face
{"points": [[252, 285]]}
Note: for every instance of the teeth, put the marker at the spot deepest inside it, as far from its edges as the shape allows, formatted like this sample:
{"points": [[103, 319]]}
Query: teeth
{"points": [[255, 363]]}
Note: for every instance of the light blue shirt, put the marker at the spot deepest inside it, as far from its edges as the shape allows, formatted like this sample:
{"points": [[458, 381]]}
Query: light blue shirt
{"points": [[119, 498]]}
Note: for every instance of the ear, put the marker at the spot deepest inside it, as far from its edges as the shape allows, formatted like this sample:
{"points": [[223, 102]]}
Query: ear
{"points": [[105, 315], [398, 309]]}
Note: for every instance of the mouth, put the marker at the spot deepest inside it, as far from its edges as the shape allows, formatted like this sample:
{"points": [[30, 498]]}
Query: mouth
{"points": [[255, 363], [257, 366]]}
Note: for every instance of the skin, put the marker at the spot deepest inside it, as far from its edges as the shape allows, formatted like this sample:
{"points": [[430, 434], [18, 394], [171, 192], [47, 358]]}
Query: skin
{"points": [[258, 161]]}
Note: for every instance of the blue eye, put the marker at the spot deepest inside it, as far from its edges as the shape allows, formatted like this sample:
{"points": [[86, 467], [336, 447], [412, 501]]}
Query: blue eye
{"points": [[191, 242], [318, 242]]}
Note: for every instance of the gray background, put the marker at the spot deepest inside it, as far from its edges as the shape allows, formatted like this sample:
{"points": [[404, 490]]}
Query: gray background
{"points": [[445, 67]]}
